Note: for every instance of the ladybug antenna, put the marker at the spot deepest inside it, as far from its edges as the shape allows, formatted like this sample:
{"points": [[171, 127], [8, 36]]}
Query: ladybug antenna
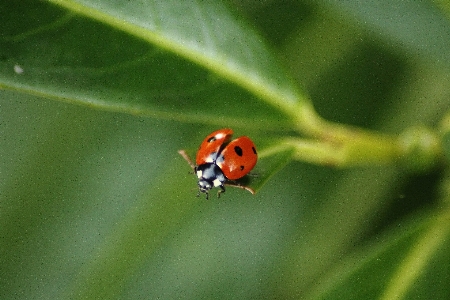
{"points": [[187, 158]]}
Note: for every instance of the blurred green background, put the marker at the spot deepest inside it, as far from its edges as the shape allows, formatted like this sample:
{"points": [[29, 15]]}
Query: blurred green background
{"points": [[98, 204]]}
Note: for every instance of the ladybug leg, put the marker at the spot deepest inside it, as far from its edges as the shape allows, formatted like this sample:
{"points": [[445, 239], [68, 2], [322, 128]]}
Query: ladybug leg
{"points": [[222, 190], [194, 171], [206, 193], [238, 185], [252, 174]]}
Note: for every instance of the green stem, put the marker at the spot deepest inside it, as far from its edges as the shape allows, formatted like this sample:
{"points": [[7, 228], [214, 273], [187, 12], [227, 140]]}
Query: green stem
{"points": [[339, 145], [358, 149], [418, 148]]}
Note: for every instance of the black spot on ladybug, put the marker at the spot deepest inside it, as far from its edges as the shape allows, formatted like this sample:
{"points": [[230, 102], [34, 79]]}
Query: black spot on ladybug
{"points": [[242, 168], [254, 150], [238, 150], [211, 139]]}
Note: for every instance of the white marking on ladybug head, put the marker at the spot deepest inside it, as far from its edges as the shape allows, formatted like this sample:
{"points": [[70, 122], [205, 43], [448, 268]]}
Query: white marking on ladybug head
{"points": [[217, 182], [199, 174]]}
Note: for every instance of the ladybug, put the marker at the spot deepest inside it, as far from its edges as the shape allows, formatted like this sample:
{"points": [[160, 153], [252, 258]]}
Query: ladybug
{"points": [[220, 161]]}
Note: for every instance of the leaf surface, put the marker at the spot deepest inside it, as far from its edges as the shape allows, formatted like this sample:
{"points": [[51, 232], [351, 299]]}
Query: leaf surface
{"points": [[184, 60]]}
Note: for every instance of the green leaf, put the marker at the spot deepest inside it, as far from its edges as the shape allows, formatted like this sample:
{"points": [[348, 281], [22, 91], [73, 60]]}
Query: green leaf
{"points": [[404, 265], [98, 204], [184, 60], [416, 26], [142, 58], [132, 241], [445, 136]]}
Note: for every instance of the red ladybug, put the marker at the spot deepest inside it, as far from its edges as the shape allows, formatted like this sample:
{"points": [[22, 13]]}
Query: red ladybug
{"points": [[221, 161]]}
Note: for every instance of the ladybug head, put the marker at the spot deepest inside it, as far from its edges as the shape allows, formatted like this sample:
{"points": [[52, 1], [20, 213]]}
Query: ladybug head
{"points": [[204, 185], [209, 175]]}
